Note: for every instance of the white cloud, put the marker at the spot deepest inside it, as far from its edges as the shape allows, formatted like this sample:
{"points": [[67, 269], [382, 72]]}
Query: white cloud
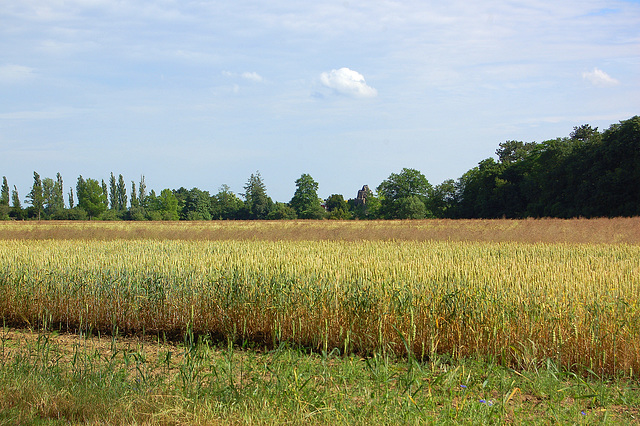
{"points": [[348, 82], [597, 77], [47, 114], [252, 76], [12, 73]]}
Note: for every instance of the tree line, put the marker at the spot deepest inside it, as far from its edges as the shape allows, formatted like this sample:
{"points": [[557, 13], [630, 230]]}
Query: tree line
{"points": [[587, 174]]}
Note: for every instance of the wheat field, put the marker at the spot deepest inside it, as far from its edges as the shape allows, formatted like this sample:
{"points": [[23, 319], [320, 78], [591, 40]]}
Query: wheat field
{"points": [[516, 303]]}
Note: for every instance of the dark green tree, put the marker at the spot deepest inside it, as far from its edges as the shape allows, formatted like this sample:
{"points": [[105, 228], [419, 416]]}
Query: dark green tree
{"points": [[257, 204], [142, 192], [121, 194], [337, 207], [5, 194], [407, 183], [91, 197], [113, 194], [443, 200], [47, 194], [16, 208], [282, 211], [194, 204], [53, 198], [15, 199], [585, 133], [134, 196], [513, 151], [36, 197], [58, 194], [305, 200], [589, 174], [225, 205], [136, 211], [411, 207], [153, 209], [615, 171], [478, 191], [167, 205]]}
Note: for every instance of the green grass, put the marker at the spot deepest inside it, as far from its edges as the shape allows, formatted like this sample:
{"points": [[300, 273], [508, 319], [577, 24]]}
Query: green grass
{"points": [[46, 378]]}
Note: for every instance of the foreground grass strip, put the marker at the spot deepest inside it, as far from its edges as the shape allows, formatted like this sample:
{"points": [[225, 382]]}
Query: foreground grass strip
{"points": [[509, 303], [61, 378]]}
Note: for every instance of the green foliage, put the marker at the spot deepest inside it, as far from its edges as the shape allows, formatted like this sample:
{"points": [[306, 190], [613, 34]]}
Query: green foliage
{"points": [[113, 197], [110, 214], [410, 207], [337, 207], [121, 194], [53, 197], [305, 201], [142, 192], [134, 196], [400, 194], [282, 211], [194, 204], [35, 197], [71, 202], [225, 205], [257, 204], [442, 202], [167, 204], [77, 213], [91, 198], [4, 199], [514, 151], [588, 174], [4, 194]]}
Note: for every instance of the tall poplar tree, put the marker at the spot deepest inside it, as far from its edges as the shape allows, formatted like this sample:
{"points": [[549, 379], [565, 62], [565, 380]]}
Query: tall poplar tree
{"points": [[142, 192], [15, 199], [4, 199], [58, 193], [113, 194], [36, 197], [47, 194], [121, 194], [105, 191], [4, 195], [134, 195]]}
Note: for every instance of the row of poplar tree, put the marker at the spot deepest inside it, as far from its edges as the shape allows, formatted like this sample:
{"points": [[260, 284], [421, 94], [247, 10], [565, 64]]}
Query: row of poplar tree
{"points": [[588, 174]]}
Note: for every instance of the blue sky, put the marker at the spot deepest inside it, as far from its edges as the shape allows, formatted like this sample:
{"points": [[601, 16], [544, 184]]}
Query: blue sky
{"points": [[204, 93]]}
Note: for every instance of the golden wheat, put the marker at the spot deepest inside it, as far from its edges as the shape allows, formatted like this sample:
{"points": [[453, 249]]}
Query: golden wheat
{"points": [[516, 303]]}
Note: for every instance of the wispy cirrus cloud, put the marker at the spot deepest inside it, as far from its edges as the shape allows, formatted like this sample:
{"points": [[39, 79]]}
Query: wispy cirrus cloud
{"points": [[348, 82], [599, 78], [12, 73], [250, 76]]}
